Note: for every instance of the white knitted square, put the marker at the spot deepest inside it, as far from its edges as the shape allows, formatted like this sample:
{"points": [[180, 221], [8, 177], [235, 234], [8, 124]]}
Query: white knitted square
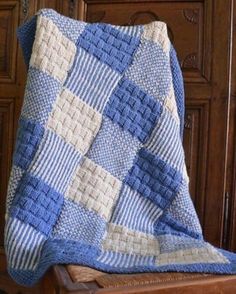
{"points": [[124, 240], [95, 188], [74, 120], [170, 104], [52, 52], [206, 254], [157, 32]]}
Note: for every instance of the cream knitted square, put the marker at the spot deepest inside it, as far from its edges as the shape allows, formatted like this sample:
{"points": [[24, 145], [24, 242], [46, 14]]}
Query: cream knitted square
{"points": [[124, 240], [157, 32], [170, 104], [95, 188], [52, 52], [206, 254], [74, 120]]}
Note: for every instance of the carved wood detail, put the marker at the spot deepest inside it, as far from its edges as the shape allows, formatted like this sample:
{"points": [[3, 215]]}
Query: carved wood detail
{"points": [[135, 18], [188, 121], [191, 15], [190, 61]]}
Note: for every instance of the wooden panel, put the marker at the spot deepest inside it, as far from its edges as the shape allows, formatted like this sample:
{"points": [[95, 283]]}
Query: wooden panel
{"points": [[195, 146], [53, 4], [8, 25], [218, 122], [188, 27], [6, 138]]}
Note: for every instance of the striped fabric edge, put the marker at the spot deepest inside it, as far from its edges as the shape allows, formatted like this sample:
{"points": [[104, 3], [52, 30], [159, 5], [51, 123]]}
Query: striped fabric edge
{"points": [[117, 259], [134, 31], [52, 151], [135, 212], [91, 75], [160, 142], [23, 245]]}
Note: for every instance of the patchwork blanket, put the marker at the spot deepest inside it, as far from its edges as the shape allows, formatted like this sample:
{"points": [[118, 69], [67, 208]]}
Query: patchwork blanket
{"points": [[98, 175]]}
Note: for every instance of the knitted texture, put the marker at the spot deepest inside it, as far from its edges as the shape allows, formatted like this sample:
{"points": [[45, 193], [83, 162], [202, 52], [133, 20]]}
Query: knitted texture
{"points": [[98, 176]]}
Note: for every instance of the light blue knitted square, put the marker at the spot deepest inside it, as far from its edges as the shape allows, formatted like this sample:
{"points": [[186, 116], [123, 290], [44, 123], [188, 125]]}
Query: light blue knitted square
{"points": [[38, 99], [151, 72], [135, 211], [76, 227], [114, 149], [91, 80], [55, 161]]}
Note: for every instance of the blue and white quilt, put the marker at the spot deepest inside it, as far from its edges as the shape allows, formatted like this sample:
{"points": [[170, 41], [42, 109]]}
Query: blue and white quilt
{"points": [[99, 176]]}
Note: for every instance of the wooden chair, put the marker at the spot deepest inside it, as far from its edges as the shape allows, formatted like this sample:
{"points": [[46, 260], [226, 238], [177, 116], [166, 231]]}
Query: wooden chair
{"points": [[78, 279]]}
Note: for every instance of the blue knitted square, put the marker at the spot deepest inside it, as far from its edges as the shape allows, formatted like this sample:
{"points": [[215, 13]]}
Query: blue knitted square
{"points": [[114, 149], [153, 178], [37, 204], [133, 110], [29, 135], [55, 161], [39, 84], [91, 80], [109, 45], [76, 226]]}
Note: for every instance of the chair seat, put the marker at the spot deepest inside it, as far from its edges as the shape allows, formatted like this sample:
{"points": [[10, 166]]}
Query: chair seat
{"points": [[87, 280]]}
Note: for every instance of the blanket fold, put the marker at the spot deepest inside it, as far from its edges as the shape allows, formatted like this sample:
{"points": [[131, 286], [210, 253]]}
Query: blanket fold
{"points": [[99, 175]]}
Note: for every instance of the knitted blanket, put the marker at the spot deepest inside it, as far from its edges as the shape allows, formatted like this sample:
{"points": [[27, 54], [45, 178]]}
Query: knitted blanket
{"points": [[99, 175]]}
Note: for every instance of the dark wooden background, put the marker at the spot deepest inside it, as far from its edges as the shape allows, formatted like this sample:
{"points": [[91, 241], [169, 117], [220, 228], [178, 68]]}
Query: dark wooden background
{"points": [[203, 33]]}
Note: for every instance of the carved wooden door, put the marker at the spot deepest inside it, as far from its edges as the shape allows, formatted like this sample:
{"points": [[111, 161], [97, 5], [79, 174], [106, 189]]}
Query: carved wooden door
{"points": [[201, 32]]}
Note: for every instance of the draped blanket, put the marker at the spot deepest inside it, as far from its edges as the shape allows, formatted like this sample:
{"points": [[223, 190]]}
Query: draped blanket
{"points": [[99, 175]]}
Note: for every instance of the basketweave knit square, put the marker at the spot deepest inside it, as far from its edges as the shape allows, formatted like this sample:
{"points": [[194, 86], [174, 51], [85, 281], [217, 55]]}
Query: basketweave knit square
{"points": [[109, 45], [52, 53], [122, 239], [95, 188], [36, 204], [29, 136], [75, 121]]}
